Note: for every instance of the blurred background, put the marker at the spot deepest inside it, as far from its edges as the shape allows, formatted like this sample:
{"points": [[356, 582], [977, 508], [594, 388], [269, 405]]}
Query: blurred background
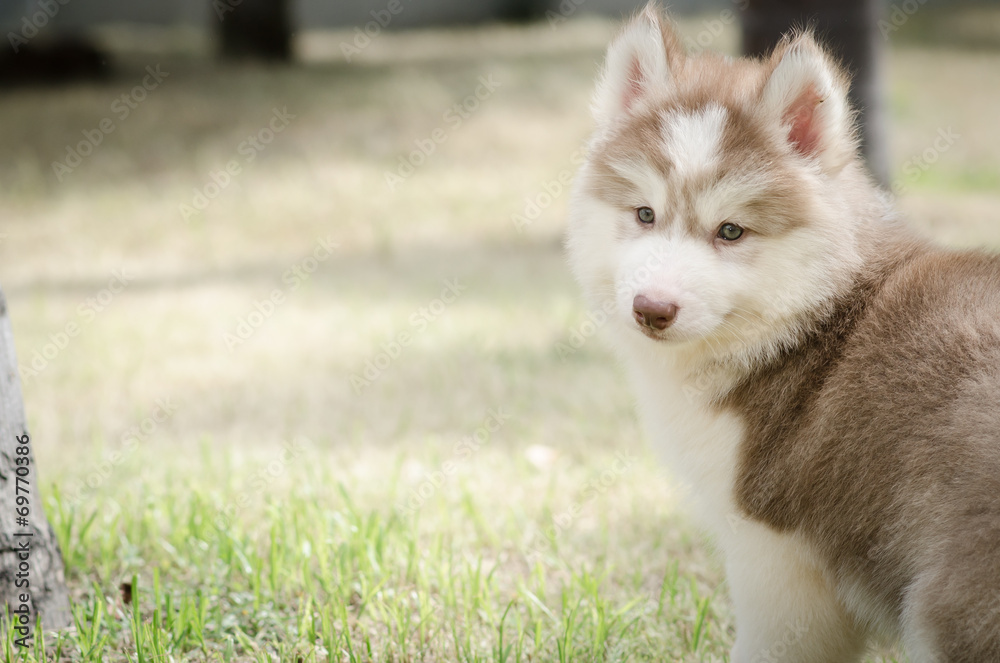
{"points": [[297, 339]]}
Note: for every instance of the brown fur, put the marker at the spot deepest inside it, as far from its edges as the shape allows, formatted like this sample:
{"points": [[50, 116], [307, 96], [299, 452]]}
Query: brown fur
{"points": [[878, 439]]}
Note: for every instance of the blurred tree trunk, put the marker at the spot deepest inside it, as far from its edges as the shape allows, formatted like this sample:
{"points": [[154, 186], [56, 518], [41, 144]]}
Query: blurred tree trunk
{"points": [[521, 11], [254, 29], [31, 564], [849, 28]]}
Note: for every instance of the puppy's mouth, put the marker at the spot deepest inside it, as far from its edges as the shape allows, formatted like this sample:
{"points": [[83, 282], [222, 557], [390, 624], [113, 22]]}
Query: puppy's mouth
{"points": [[654, 334], [662, 335]]}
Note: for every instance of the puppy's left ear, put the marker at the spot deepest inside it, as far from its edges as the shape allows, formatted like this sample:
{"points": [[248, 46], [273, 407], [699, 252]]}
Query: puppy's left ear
{"points": [[806, 94], [640, 62]]}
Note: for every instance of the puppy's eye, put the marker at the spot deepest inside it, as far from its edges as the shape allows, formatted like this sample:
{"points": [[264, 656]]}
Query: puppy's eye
{"points": [[730, 232], [645, 215]]}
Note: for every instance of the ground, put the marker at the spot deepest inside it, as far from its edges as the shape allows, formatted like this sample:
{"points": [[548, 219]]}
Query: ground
{"points": [[316, 406]]}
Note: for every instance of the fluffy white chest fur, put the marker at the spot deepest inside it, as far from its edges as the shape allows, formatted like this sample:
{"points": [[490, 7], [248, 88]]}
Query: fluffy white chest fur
{"points": [[698, 443], [776, 579]]}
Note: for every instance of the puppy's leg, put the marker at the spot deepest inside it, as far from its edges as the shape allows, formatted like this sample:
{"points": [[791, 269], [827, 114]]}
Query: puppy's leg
{"points": [[785, 611]]}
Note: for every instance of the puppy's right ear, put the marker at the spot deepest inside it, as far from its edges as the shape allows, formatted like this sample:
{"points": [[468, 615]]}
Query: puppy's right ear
{"points": [[638, 63]]}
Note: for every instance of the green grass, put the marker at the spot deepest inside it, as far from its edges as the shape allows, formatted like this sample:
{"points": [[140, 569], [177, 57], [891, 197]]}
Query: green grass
{"points": [[401, 528], [305, 571]]}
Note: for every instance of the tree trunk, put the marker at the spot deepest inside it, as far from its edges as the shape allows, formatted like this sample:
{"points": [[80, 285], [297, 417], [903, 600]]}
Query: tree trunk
{"points": [[849, 28], [31, 565], [254, 29]]}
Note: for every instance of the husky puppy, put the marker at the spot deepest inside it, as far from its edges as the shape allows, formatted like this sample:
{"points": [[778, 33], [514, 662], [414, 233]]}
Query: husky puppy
{"points": [[827, 382]]}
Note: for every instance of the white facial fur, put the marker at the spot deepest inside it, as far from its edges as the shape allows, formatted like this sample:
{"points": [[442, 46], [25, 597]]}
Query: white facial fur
{"points": [[676, 268], [745, 295], [742, 295], [691, 139]]}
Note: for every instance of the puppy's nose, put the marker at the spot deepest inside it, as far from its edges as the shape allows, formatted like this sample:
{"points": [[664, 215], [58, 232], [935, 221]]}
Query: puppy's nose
{"points": [[653, 314]]}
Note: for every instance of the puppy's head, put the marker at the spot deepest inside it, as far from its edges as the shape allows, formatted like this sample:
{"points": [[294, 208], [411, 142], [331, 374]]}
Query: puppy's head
{"points": [[710, 206]]}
